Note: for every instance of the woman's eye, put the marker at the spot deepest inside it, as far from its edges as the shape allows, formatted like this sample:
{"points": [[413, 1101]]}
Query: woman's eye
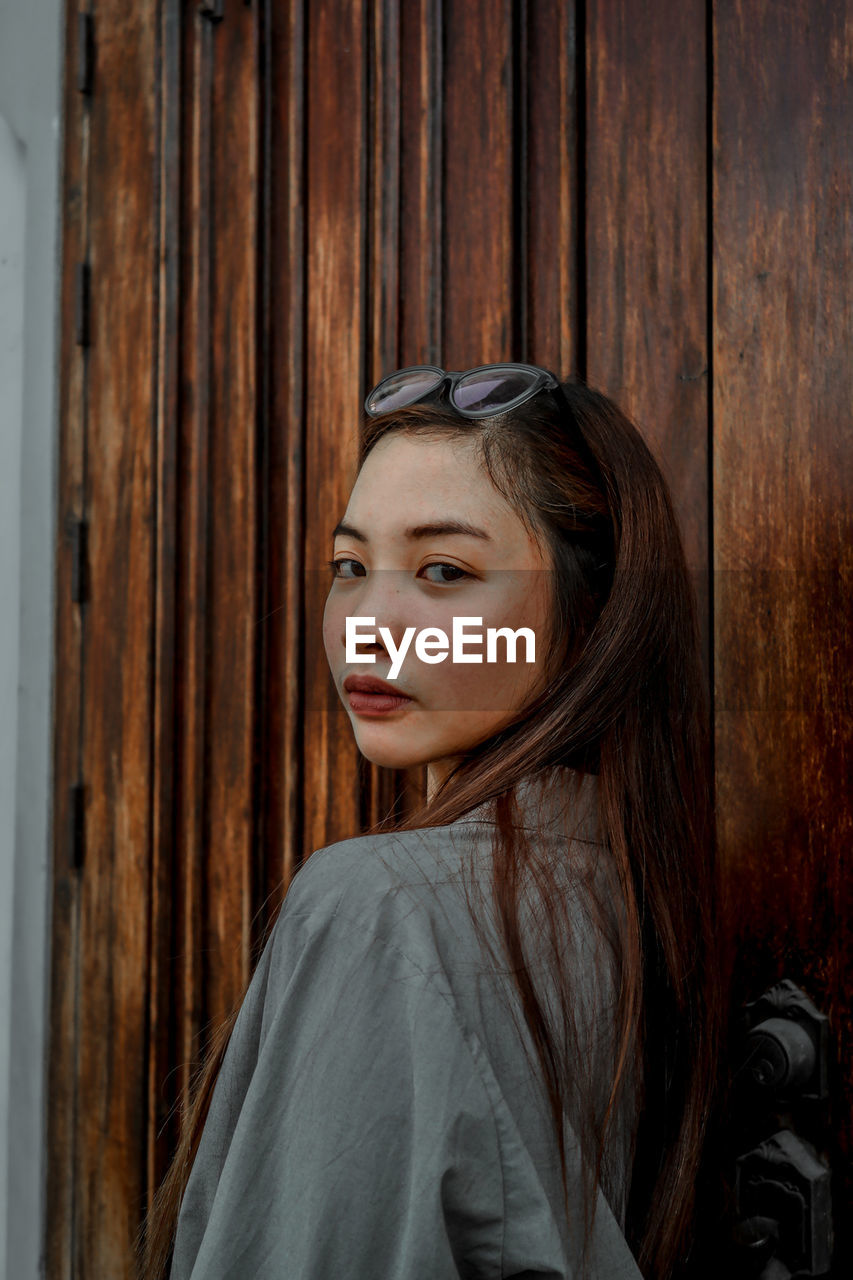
{"points": [[336, 567], [454, 568], [358, 571]]}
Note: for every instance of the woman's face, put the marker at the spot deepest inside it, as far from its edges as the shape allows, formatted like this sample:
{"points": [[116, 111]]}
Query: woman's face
{"points": [[403, 576]]}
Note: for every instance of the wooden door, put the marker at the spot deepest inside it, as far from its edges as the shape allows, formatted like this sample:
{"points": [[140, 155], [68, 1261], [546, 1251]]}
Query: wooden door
{"points": [[266, 205]]}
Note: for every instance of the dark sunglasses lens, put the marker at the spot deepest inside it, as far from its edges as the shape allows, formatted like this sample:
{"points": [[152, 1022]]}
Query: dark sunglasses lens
{"points": [[492, 389], [405, 387]]}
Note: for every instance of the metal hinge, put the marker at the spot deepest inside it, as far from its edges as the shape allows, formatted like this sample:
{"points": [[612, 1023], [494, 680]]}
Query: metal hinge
{"points": [[82, 291], [79, 562], [213, 10], [85, 51], [77, 826]]}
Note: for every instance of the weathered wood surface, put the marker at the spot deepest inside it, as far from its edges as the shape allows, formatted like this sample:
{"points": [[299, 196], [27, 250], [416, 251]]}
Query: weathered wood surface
{"points": [[279, 618], [278, 208], [551, 167], [99, 1034], [646, 236], [226, 852], [479, 317], [161, 1130], [421, 211], [783, 476], [336, 38], [117, 671], [191, 536]]}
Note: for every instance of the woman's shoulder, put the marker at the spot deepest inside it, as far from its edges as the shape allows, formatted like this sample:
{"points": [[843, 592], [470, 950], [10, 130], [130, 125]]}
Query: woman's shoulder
{"points": [[428, 891], [434, 867], [372, 915], [557, 807], [389, 879]]}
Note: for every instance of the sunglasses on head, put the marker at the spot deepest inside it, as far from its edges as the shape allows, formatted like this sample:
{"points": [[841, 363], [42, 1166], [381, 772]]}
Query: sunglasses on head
{"points": [[484, 392]]}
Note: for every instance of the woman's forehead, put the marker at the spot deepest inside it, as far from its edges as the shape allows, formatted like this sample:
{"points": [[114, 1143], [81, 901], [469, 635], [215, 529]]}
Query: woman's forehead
{"points": [[421, 481], [409, 488]]}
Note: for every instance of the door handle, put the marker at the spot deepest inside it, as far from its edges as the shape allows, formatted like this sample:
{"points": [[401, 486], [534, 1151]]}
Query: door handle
{"points": [[782, 1189], [783, 1202], [787, 1045]]}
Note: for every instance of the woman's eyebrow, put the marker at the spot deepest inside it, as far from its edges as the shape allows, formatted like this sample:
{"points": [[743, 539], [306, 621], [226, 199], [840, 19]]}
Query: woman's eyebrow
{"points": [[438, 529]]}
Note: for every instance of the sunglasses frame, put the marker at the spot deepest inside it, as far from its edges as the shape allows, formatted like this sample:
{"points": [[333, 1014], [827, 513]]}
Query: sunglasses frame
{"points": [[449, 380], [546, 381]]}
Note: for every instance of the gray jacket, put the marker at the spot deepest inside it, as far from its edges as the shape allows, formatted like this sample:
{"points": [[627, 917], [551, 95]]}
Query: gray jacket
{"points": [[378, 1115]]}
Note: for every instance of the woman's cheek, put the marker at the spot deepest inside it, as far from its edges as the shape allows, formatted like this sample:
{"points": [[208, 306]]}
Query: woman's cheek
{"points": [[333, 626]]}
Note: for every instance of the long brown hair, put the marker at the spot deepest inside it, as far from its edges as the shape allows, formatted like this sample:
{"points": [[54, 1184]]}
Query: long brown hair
{"points": [[625, 699]]}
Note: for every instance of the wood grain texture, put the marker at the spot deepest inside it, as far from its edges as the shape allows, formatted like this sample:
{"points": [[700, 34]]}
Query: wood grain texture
{"points": [[192, 534], [554, 155], [160, 1120], [117, 673], [335, 356], [477, 287], [421, 223], [281, 380], [383, 189], [231, 549], [783, 465], [646, 235]]}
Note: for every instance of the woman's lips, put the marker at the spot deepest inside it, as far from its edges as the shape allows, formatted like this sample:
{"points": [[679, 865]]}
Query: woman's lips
{"points": [[370, 696]]}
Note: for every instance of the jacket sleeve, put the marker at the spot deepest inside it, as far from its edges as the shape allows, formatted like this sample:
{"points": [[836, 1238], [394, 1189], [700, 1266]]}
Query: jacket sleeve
{"points": [[350, 1132]]}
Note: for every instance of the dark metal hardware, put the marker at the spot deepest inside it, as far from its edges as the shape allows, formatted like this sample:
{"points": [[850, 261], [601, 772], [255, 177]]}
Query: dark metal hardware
{"points": [[79, 562], [85, 51], [77, 833], [783, 1194], [783, 1212], [756, 1240], [213, 10], [787, 1044], [82, 289]]}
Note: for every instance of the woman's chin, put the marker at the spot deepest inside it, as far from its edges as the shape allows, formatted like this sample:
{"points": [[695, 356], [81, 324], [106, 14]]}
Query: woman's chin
{"points": [[388, 754], [390, 759]]}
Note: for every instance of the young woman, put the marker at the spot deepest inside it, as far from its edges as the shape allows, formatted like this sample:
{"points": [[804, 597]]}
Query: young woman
{"points": [[482, 1043]]}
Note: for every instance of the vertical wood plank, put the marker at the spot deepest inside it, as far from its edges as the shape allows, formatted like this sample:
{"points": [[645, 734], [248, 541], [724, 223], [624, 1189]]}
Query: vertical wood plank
{"points": [[783, 466], [162, 1130], [282, 620], [421, 225], [646, 235], [232, 536], [383, 189], [335, 361], [553, 158], [477, 288], [68, 623], [117, 666], [193, 519]]}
